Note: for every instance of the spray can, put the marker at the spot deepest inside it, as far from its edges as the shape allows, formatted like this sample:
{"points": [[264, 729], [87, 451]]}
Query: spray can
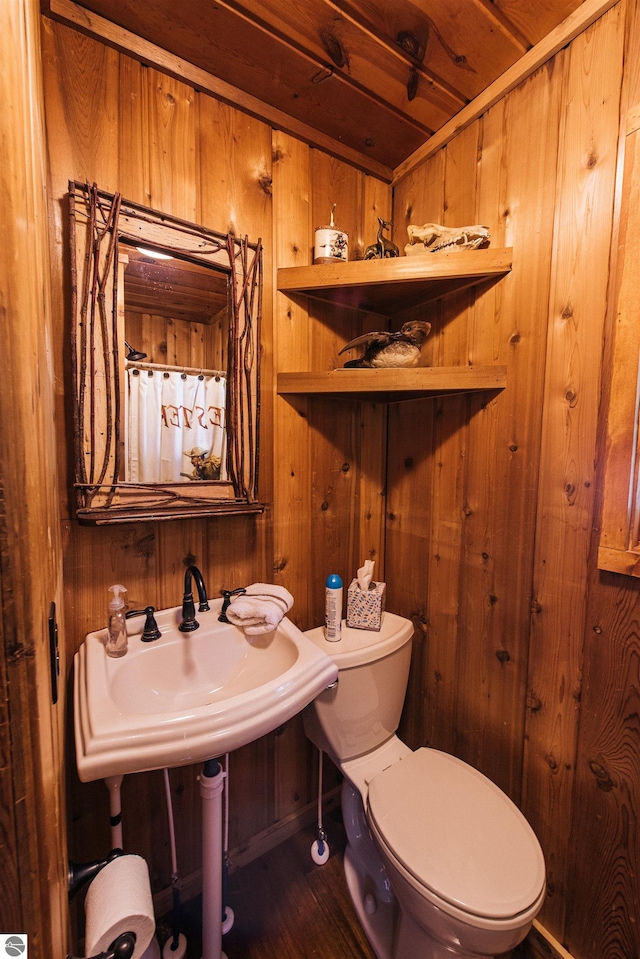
{"points": [[333, 609]]}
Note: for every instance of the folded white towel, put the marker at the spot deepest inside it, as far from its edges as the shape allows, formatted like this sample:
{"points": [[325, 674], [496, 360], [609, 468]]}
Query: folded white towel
{"points": [[260, 608]]}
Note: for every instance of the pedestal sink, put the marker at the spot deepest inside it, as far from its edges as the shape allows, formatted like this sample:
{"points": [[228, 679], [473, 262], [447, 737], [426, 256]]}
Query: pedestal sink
{"points": [[188, 698]]}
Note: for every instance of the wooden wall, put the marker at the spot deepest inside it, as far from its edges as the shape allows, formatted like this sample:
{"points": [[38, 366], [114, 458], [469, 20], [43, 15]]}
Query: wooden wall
{"points": [[481, 514], [33, 895], [529, 664], [161, 143]]}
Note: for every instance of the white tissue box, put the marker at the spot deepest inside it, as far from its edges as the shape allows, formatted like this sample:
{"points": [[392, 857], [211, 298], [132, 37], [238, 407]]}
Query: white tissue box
{"points": [[365, 606]]}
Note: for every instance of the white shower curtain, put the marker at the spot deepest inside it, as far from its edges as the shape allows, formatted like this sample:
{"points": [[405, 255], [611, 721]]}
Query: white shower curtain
{"points": [[170, 415]]}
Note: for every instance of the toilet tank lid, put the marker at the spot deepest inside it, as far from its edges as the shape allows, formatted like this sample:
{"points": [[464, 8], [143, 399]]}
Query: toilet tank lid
{"points": [[359, 646], [458, 834]]}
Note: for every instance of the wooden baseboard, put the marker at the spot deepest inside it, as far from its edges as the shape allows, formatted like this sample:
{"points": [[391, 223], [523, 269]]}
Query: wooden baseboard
{"points": [[540, 944], [242, 855]]}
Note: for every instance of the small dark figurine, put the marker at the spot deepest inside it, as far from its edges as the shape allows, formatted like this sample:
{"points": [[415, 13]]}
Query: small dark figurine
{"points": [[382, 247], [385, 350]]}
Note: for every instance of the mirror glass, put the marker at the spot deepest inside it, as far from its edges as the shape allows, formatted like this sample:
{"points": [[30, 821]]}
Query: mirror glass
{"points": [[175, 389], [165, 363]]}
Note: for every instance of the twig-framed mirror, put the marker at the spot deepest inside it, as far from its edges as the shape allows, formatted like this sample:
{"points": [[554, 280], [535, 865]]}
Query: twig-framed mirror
{"points": [[166, 363]]}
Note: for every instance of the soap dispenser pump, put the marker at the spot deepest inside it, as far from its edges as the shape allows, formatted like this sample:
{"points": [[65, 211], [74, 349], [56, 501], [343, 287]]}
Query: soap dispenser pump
{"points": [[117, 641]]}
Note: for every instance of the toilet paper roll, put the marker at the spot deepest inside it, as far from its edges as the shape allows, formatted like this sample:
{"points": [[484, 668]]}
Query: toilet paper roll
{"points": [[119, 900]]}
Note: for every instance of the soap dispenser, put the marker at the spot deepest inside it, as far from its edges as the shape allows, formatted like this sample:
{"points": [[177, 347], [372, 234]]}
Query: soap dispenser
{"points": [[117, 641]]}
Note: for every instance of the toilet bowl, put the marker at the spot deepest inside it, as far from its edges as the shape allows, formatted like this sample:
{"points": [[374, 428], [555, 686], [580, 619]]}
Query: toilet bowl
{"points": [[439, 862]]}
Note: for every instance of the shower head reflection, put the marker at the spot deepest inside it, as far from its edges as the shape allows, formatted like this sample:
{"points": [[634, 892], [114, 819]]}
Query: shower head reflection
{"points": [[134, 355]]}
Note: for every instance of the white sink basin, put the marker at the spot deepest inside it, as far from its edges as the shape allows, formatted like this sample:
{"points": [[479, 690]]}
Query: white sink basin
{"points": [[188, 697]]}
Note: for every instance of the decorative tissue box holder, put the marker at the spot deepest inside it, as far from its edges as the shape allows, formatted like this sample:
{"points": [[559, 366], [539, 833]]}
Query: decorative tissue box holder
{"points": [[365, 606]]}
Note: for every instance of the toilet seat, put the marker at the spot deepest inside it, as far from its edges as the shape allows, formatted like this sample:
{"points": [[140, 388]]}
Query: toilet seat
{"points": [[457, 837]]}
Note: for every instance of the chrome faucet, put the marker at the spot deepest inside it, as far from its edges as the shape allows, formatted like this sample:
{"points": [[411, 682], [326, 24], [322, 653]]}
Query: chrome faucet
{"points": [[189, 621]]}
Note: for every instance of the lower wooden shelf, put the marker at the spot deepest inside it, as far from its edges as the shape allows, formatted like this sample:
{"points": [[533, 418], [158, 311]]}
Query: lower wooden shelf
{"points": [[394, 385]]}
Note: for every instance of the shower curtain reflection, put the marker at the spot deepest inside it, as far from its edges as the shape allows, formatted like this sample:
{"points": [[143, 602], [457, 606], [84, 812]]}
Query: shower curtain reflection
{"points": [[176, 426]]}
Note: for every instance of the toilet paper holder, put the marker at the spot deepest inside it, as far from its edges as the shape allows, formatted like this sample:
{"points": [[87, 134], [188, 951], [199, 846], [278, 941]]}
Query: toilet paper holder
{"points": [[78, 874], [121, 948]]}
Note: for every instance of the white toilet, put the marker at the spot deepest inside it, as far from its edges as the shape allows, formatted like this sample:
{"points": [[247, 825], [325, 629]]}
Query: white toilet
{"points": [[439, 863]]}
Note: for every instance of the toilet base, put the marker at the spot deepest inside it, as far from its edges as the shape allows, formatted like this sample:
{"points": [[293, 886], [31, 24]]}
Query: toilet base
{"points": [[378, 919], [375, 915], [392, 932]]}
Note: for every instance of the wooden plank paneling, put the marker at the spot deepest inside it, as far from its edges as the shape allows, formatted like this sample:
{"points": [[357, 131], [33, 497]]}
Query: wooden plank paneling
{"points": [[206, 37], [372, 57], [82, 109], [607, 774], [82, 106], [163, 153], [292, 350], [619, 533], [372, 422], [419, 198], [456, 47], [463, 485], [586, 14], [607, 805], [292, 238], [515, 164], [534, 22], [32, 743], [365, 81], [322, 499], [173, 121], [577, 307], [534, 675], [135, 94], [336, 433]]}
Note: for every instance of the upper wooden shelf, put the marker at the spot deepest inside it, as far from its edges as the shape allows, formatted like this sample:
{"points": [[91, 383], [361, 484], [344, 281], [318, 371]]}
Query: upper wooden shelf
{"points": [[393, 385], [392, 285]]}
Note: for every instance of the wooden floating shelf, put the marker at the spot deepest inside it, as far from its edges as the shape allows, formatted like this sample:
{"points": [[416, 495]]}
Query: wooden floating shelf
{"points": [[394, 385], [392, 285]]}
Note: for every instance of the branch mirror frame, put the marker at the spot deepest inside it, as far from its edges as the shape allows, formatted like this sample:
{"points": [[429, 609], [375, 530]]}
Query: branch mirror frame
{"points": [[103, 226]]}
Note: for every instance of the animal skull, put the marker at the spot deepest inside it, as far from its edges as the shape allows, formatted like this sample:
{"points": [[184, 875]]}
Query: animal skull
{"points": [[433, 238]]}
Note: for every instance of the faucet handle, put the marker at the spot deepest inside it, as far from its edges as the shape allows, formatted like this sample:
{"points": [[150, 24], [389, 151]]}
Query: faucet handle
{"points": [[150, 630], [227, 594]]}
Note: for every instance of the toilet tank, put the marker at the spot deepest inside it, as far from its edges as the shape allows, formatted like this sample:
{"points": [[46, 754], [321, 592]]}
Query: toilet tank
{"points": [[363, 711]]}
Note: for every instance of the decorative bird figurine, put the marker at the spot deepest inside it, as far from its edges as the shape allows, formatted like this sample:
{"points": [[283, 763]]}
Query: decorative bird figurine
{"points": [[385, 350]]}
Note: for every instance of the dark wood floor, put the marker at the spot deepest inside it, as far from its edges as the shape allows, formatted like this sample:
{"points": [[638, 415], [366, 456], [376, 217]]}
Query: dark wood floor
{"points": [[286, 907]]}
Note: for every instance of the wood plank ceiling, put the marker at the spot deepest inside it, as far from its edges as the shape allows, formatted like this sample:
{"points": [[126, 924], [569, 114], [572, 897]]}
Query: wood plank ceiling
{"points": [[377, 76]]}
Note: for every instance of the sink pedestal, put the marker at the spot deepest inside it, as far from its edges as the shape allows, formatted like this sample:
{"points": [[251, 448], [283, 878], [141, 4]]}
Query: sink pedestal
{"points": [[211, 789]]}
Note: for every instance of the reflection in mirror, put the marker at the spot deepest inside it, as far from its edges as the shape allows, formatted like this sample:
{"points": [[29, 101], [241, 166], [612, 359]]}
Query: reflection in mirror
{"points": [[166, 363], [175, 392]]}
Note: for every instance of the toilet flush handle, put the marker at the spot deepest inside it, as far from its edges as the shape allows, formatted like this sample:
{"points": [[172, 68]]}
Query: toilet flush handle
{"points": [[333, 684]]}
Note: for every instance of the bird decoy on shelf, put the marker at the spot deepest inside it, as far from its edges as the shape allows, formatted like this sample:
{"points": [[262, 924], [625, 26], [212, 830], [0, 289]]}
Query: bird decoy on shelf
{"points": [[387, 350]]}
